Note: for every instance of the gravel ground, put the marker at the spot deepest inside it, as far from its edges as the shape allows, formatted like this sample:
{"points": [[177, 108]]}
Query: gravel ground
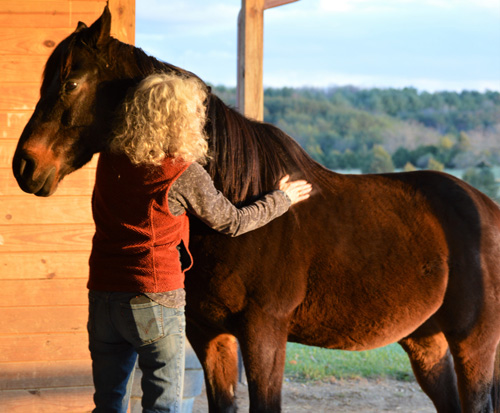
{"points": [[360, 395]]}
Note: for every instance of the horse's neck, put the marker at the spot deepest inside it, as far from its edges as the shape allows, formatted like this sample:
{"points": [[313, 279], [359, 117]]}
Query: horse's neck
{"points": [[132, 62]]}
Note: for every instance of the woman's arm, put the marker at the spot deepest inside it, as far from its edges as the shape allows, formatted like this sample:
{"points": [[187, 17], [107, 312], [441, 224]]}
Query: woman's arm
{"points": [[195, 192]]}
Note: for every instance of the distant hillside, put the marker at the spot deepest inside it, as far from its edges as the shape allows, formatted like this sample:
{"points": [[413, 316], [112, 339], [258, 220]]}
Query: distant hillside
{"points": [[347, 127]]}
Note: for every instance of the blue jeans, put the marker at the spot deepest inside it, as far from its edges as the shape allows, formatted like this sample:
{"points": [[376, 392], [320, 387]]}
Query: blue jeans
{"points": [[124, 327]]}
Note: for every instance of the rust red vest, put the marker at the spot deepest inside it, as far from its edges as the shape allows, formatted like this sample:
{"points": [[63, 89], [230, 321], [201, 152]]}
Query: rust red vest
{"points": [[134, 248]]}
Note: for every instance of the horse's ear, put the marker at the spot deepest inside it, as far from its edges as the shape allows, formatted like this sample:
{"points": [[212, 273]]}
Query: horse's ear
{"points": [[80, 27], [100, 30]]}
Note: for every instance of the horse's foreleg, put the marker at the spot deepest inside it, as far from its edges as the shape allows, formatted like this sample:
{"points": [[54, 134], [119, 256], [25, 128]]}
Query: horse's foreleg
{"points": [[432, 365], [218, 354], [263, 346]]}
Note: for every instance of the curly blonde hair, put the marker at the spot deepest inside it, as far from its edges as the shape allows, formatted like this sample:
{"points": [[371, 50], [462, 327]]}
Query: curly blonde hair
{"points": [[164, 117]]}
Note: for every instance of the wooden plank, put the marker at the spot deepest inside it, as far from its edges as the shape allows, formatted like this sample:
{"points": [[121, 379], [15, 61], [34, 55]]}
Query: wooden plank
{"points": [[56, 292], [32, 41], [78, 183], [123, 20], [68, 237], [36, 320], [250, 59], [19, 96], [26, 69], [32, 6], [61, 400], [43, 347], [44, 265], [57, 14], [21, 210], [275, 3], [13, 122], [36, 375]]}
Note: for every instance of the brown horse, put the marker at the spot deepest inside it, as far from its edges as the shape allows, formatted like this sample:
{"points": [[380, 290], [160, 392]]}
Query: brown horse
{"points": [[368, 260]]}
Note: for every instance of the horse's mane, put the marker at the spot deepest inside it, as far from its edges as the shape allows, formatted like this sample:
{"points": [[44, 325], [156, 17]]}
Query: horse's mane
{"points": [[250, 157]]}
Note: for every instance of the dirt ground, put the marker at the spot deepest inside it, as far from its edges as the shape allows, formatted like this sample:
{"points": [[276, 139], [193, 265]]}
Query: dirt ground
{"points": [[341, 396]]}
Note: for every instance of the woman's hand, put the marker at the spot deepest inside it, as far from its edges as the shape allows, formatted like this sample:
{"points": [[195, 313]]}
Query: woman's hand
{"points": [[297, 191]]}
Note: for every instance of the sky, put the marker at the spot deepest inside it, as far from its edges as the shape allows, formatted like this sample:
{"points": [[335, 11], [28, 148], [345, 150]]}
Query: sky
{"points": [[431, 45]]}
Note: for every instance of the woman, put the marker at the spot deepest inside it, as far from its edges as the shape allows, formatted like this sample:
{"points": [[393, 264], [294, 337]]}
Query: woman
{"points": [[145, 185]]}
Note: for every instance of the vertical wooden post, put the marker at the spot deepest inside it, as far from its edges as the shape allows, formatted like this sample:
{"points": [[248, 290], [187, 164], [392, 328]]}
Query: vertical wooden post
{"points": [[250, 92], [123, 20], [250, 57]]}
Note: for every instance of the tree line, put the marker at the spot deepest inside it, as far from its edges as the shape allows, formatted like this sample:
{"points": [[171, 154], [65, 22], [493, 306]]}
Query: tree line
{"points": [[381, 130]]}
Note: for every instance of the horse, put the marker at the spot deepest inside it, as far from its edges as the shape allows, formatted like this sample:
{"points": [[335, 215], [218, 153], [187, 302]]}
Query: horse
{"points": [[368, 260]]}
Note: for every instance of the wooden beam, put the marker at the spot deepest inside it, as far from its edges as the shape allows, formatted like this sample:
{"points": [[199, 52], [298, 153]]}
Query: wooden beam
{"points": [[250, 91], [250, 59], [268, 4], [123, 20]]}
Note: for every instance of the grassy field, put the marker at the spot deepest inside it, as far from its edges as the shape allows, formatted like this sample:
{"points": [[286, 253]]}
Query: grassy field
{"points": [[306, 363]]}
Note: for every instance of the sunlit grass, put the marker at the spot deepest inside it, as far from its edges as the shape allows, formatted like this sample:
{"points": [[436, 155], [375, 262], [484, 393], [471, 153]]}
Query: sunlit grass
{"points": [[313, 363]]}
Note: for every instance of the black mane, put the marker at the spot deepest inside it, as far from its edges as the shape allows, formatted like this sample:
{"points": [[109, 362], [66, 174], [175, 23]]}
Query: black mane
{"points": [[248, 157]]}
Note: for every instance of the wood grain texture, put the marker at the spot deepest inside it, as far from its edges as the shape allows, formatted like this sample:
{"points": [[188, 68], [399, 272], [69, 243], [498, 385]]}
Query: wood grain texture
{"points": [[61, 400], [23, 210], [49, 265], [34, 41], [123, 20], [250, 59], [62, 237], [19, 96], [275, 3], [43, 347], [37, 320], [37, 293], [22, 69], [57, 14], [12, 122], [39, 374]]}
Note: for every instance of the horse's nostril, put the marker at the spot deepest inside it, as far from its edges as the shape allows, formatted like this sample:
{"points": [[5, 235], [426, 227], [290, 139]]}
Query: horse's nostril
{"points": [[27, 166], [22, 165]]}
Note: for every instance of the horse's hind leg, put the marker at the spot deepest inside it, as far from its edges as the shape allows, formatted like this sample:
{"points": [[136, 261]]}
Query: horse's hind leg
{"points": [[432, 365], [218, 354], [474, 359]]}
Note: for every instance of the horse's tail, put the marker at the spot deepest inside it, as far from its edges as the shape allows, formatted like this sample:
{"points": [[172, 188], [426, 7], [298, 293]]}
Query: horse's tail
{"points": [[495, 390]]}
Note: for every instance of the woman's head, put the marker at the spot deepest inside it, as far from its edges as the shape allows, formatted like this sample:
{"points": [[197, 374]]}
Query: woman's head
{"points": [[164, 117]]}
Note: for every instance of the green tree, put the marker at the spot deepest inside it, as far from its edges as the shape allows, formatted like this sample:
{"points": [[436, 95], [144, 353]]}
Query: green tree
{"points": [[483, 179], [409, 167], [463, 142], [401, 157], [380, 161], [435, 165]]}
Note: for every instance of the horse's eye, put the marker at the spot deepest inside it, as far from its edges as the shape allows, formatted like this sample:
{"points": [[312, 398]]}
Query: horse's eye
{"points": [[70, 86]]}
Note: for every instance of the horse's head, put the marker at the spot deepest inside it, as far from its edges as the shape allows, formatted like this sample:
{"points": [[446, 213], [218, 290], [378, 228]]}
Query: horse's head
{"points": [[72, 119]]}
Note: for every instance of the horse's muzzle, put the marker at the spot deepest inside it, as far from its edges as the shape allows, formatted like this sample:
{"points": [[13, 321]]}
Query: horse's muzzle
{"points": [[31, 178]]}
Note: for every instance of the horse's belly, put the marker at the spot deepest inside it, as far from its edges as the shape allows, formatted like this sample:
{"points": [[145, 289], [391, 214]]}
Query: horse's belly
{"points": [[368, 315]]}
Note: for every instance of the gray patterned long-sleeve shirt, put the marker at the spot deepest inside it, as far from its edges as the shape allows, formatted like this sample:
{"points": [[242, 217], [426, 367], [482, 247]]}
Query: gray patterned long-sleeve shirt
{"points": [[194, 192]]}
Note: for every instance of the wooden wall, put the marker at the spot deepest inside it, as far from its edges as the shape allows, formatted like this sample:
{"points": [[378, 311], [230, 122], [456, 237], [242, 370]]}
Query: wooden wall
{"points": [[44, 242]]}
